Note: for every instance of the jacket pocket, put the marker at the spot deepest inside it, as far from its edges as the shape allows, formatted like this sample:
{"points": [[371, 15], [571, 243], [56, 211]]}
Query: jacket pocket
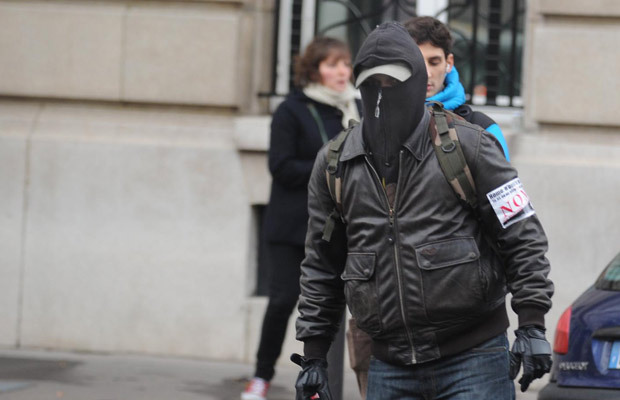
{"points": [[360, 289], [451, 278]]}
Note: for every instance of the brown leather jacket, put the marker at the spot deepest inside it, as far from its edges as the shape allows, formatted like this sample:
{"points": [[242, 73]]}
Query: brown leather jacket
{"points": [[421, 277]]}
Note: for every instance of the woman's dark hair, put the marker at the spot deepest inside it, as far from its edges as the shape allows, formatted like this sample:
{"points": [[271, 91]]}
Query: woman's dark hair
{"points": [[321, 47], [430, 30]]}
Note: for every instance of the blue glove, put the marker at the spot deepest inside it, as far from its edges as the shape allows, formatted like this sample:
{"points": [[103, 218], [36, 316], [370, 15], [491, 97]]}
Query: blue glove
{"points": [[453, 94]]}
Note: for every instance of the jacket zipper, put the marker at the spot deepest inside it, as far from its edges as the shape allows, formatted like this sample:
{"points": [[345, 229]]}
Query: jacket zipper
{"points": [[392, 219]]}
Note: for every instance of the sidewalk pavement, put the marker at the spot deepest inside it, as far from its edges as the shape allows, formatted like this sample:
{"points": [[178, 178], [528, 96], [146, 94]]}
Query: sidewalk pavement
{"points": [[49, 375]]}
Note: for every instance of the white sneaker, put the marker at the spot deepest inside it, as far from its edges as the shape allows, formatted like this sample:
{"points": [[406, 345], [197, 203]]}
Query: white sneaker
{"points": [[256, 389]]}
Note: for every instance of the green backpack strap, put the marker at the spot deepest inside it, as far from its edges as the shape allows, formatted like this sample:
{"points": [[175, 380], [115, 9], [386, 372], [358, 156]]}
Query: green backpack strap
{"points": [[334, 182], [450, 155], [319, 122]]}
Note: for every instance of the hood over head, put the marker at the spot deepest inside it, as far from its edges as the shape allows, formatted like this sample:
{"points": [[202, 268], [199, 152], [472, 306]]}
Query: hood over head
{"points": [[391, 113]]}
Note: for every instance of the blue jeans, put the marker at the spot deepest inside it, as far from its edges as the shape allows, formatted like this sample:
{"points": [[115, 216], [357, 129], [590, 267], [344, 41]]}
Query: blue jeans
{"points": [[481, 373]]}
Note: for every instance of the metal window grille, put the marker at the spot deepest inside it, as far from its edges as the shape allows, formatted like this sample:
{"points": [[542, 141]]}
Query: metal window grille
{"points": [[488, 38]]}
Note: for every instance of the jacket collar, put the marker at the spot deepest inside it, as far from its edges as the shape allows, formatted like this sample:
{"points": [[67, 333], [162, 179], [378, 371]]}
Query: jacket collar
{"points": [[418, 142], [354, 145]]}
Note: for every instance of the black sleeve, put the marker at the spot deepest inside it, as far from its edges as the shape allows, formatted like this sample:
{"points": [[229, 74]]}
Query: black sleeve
{"points": [[322, 301], [285, 164], [523, 244]]}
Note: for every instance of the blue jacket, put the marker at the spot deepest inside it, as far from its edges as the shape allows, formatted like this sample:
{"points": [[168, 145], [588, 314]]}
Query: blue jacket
{"points": [[453, 98]]}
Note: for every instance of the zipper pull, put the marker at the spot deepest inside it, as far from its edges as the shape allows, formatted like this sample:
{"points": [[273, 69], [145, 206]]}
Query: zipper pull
{"points": [[377, 111]]}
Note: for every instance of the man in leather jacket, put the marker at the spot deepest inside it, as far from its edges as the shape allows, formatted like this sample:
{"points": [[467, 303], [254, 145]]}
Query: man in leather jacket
{"points": [[423, 275]]}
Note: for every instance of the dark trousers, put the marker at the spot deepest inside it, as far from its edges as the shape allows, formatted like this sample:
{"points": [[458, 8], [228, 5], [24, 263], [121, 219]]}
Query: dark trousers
{"points": [[285, 261]]}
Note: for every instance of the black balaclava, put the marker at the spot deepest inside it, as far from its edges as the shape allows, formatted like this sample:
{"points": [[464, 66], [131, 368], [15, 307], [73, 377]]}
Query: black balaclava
{"points": [[390, 119]]}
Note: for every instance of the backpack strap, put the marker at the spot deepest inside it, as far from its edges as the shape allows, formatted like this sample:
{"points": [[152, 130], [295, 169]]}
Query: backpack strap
{"points": [[334, 182], [319, 121], [450, 155]]}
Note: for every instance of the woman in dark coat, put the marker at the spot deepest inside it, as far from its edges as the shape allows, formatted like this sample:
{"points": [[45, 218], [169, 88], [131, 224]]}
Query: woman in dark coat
{"points": [[311, 115]]}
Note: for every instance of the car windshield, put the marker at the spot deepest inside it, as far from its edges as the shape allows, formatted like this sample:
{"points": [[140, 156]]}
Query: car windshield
{"points": [[610, 278]]}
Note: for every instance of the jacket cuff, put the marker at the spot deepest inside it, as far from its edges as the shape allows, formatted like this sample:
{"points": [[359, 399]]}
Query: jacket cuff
{"points": [[531, 316], [316, 347]]}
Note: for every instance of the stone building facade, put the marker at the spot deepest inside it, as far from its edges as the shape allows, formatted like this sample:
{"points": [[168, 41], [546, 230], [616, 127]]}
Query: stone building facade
{"points": [[132, 154]]}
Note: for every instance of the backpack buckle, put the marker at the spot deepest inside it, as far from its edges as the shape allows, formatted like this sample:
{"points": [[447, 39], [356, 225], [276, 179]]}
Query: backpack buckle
{"points": [[449, 147]]}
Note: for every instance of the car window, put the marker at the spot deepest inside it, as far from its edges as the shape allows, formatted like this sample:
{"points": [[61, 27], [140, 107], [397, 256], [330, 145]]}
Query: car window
{"points": [[610, 278]]}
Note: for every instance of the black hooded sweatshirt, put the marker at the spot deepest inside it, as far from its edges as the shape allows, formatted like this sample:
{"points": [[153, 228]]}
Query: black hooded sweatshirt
{"points": [[391, 114]]}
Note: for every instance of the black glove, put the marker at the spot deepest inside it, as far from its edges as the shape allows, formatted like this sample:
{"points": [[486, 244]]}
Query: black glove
{"points": [[312, 380], [531, 348]]}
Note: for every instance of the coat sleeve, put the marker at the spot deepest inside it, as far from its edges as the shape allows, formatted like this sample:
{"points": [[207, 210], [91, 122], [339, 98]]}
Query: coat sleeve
{"points": [[285, 164], [518, 233], [322, 302]]}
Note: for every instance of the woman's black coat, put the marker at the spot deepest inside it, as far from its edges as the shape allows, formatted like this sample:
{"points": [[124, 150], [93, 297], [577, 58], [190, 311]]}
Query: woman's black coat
{"points": [[295, 141]]}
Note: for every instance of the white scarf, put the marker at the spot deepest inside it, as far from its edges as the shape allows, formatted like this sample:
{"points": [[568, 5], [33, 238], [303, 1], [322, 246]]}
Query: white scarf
{"points": [[344, 101]]}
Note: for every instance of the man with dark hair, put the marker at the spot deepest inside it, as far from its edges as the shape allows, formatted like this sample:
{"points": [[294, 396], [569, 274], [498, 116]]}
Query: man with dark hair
{"points": [[425, 276], [435, 43]]}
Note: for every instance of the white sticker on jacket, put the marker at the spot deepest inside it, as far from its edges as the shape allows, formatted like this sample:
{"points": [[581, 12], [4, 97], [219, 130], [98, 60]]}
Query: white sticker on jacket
{"points": [[511, 203]]}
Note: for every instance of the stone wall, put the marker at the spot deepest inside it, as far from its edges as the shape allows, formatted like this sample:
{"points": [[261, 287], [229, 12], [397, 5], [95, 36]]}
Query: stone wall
{"points": [[126, 218], [569, 154], [132, 149], [571, 62]]}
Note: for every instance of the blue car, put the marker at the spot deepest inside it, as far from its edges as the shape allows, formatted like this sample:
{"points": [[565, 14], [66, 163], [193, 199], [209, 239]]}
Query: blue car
{"points": [[586, 349]]}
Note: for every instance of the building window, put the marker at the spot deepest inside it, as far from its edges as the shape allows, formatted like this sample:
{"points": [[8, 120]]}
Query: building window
{"points": [[488, 37]]}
